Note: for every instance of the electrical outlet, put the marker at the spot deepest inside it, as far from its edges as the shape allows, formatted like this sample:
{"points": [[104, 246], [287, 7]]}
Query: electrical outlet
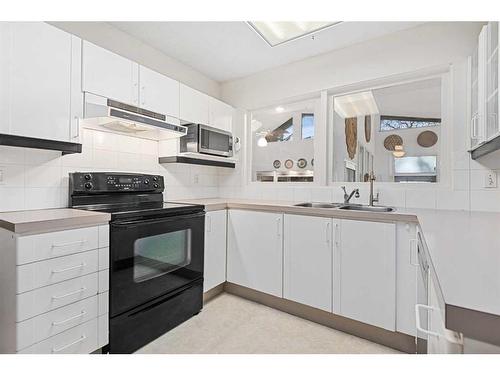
{"points": [[196, 179], [490, 179]]}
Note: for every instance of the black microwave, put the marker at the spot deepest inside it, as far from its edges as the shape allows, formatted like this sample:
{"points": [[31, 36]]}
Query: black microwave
{"points": [[205, 139]]}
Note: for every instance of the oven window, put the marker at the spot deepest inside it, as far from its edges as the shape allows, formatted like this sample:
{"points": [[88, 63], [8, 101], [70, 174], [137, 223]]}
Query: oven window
{"points": [[216, 141], [157, 255]]}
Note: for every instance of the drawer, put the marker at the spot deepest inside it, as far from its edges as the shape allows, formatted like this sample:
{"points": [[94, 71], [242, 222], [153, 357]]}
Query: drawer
{"points": [[103, 330], [103, 235], [103, 303], [54, 322], [81, 339], [103, 281], [51, 297], [55, 244], [39, 274], [103, 258]]}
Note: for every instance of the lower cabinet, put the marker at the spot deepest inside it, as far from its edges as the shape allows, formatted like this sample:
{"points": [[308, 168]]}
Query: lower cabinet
{"points": [[365, 272], [215, 249], [255, 250], [308, 257]]}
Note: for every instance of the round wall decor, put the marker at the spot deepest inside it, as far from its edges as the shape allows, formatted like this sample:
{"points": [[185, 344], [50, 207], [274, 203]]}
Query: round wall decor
{"points": [[427, 138], [391, 141], [301, 163], [351, 136], [368, 128], [312, 162], [289, 164], [276, 164]]}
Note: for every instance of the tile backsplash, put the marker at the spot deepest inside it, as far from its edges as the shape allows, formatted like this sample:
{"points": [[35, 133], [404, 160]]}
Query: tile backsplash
{"points": [[36, 179]]}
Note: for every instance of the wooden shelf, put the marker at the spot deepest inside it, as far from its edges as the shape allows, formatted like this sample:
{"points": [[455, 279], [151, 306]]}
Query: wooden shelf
{"points": [[486, 148], [192, 160], [43, 144]]}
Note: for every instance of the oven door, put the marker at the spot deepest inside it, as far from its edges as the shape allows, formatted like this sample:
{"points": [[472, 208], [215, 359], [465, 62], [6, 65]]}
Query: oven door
{"points": [[150, 258], [215, 141]]}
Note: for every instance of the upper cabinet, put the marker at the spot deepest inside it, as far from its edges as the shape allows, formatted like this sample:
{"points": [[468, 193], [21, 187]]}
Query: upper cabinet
{"points": [[40, 93], [107, 74], [158, 93], [483, 82], [193, 105], [220, 114]]}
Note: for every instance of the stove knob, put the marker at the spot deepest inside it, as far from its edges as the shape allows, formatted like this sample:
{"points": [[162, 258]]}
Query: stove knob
{"points": [[146, 182], [156, 186], [88, 185], [155, 178], [87, 177]]}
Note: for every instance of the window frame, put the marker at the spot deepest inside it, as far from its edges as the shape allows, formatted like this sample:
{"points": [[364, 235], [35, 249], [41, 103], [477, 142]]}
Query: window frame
{"points": [[302, 116], [436, 121]]}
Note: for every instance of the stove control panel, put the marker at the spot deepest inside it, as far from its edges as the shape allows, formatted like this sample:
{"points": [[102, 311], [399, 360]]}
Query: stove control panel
{"points": [[114, 182]]}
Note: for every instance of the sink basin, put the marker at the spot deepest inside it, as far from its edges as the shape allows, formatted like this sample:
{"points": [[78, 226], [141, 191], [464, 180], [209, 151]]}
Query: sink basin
{"points": [[318, 205], [358, 207]]}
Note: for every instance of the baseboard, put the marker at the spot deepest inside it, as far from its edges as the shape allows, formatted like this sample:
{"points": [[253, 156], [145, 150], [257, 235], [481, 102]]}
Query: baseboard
{"points": [[210, 294], [396, 340]]}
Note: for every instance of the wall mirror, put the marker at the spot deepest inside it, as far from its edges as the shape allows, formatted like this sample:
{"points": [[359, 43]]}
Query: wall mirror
{"points": [[282, 141], [394, 131]]}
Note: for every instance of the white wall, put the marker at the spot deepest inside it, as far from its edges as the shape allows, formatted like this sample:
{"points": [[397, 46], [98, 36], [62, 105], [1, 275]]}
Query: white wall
{"points": [[117, 41], [36, 179], [418, 49]]}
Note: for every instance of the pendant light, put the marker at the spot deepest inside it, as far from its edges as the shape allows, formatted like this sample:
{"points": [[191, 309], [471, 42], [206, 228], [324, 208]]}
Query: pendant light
{"points": [[398, 151], [262, 141]]}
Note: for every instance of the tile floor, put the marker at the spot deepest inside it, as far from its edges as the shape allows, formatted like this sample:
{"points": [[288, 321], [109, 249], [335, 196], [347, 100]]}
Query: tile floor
{"points": [[232, 325]]}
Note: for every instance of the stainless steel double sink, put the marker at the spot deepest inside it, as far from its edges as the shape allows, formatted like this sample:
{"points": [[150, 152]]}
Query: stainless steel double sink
{"points": [[349, 206]]}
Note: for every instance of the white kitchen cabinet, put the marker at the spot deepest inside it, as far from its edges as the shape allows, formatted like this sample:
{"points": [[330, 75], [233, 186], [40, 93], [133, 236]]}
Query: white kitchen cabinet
{"points": [[40, 94], [365, 272], [109, 75], [483, 85], [215, 249], [308, 260], [158, 93], [255, 250], [220, 115], [193, 105]]}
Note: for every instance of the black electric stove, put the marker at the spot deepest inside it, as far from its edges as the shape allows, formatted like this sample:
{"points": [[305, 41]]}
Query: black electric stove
{"points": [[156, 254]]}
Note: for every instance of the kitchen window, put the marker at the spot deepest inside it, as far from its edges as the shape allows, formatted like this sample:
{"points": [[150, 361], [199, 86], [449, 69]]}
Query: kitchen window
{"points": [[307, 125], [390, 123]]}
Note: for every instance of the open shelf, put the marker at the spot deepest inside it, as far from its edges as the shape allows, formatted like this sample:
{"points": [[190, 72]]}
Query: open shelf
{"points": [[184, 159], [39, 143]]}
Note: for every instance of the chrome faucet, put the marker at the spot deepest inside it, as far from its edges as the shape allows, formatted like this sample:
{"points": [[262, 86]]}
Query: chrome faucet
{"points": [[347, 197], [373, 199]]}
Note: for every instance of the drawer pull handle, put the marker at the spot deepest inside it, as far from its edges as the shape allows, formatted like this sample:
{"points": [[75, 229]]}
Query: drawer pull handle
{"points": [[82, 338], [83, 313], [81, 242], [70, 293], [69, 268]]}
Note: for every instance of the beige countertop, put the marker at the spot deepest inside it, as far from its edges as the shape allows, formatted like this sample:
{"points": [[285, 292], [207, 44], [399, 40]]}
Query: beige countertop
{"points": [[50, 220], [464, 248]]}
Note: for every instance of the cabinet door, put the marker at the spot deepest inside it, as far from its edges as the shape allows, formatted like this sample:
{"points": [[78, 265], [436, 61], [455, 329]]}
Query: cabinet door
{"points": [[215, 249], [255, 250], [193, 105], [158, 93], [308, 266], [36, 80], [365, 272], [492, 122], [221, 115], [109, 75]]}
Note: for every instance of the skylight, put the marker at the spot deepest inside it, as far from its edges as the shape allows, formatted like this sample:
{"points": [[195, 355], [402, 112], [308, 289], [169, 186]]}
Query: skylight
{"points": [[275, 33]]}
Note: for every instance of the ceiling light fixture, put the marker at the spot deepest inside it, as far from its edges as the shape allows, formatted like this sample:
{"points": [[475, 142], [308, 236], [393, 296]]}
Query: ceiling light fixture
{"points": [[276, 33], [398, 151], [279, 109], [262, 141]]}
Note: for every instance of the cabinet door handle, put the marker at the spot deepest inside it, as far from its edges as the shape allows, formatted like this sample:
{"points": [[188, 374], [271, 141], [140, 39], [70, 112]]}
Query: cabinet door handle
{"points": [[81, 242], [82, 338], [328, 232], [69, 268], [336, 234], [70, 293], [413, 250], [419, 306], [278, 227], [209, 229], [83, 313]]}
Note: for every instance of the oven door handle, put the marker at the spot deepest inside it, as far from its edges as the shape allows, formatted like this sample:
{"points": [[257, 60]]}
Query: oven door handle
{"points": [[166, 219]]}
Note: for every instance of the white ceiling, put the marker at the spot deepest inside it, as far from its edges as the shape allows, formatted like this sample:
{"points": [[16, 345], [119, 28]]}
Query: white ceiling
{"points": [[229, 50]]}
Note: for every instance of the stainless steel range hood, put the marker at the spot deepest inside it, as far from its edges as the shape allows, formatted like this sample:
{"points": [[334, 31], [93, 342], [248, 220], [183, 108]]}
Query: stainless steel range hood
{"points": [[109, 115]]}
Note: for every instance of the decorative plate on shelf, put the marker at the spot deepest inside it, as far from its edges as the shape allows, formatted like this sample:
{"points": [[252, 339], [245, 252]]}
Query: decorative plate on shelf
{"points": [[276, 164], [289, 164], [427, 138], [392, 141], [301, 163], [312, 162]]}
